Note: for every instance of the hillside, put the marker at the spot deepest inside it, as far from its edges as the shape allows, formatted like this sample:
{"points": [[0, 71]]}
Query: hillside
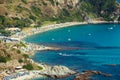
{"points": [[11, 56], [34, 13], [25, 13]]}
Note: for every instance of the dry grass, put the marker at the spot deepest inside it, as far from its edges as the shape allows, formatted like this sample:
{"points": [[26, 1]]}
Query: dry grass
{"points": [[2, 10], [9, 49]]}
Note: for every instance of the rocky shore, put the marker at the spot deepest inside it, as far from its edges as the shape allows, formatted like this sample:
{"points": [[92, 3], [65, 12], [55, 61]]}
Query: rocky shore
{"points": [[56, 71], [53, 71], [86, 75]]}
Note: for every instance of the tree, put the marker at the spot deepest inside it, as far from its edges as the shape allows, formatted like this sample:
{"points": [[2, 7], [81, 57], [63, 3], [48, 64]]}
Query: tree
{"points": [[20, 60]]}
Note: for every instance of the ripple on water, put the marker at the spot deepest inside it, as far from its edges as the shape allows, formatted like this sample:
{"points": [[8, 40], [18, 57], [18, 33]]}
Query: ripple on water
{"points": [[100, 45]]}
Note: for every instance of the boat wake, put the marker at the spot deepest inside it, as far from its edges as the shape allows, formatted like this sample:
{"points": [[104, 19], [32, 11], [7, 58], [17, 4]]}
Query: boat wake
{"points": [[64, 54]]}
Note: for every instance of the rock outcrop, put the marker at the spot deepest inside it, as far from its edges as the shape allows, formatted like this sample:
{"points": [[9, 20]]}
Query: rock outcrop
{"points": [[56, 71], [87, 74]]}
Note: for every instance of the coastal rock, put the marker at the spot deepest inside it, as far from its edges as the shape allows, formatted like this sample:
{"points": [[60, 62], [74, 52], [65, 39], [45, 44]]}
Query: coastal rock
{"points": [[87, 74], [56, 71], [68, 2]]}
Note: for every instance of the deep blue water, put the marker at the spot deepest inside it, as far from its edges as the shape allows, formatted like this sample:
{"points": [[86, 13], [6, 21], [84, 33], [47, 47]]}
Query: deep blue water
{"points": [[97, 47], [119, 1]]}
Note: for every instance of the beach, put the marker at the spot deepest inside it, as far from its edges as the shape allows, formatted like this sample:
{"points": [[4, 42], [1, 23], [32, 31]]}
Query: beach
{"points": [[30, 31], [32, 47]]}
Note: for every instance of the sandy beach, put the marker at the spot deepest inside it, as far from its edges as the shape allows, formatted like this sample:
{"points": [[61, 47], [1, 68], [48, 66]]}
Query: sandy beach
{"points": [[32, 47], [30, 31]]}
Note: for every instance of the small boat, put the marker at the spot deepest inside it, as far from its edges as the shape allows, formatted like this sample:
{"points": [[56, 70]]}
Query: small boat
{"points": [[89, 34], [111, 28]]}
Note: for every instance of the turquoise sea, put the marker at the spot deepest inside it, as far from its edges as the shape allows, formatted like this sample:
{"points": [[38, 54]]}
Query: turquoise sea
{"points": [[86, 47]]}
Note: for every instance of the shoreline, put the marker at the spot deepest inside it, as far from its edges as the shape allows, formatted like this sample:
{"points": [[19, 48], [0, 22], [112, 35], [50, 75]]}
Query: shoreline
{"points": [[31, 31], [32, 47]]}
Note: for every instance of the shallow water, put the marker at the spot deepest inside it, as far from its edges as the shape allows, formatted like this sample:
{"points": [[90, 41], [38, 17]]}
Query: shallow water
{"points": [[99, 46]]}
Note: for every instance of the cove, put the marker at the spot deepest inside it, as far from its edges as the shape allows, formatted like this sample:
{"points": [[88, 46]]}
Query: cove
{"points": [[99, 47]]}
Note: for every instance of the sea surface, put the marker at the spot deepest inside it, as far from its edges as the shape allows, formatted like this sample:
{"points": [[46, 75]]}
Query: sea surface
{"points": [[85, 47], [119, 1]]}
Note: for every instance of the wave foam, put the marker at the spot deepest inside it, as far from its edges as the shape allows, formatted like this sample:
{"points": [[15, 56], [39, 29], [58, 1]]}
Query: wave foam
{"points": [[63, 54]]}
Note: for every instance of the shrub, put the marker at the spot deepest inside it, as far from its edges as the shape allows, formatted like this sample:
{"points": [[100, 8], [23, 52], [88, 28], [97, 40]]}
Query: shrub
{"points": [[44, 3], [36, 10], [52, 2], [57, 3], [19, 9], [20, 60], [28, 67], [25, 55], [24, 1], [40, 68], [3, 59], [6, 33], [18, 51], [32, 17], [69, 6], [22, 44], [65, 12], [2, 19]]}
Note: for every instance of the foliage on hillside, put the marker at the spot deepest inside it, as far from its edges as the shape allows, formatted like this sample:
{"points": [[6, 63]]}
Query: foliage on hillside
{"points": [[23, 13], [11, 52]]}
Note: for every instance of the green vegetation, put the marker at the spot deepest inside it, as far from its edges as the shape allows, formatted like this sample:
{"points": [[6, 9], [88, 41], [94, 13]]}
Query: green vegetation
{"points": [[8, 52], [20, 61], [3, 31], [40, 68], [36, 10], [45, 4], [103, 8], [25, 56], [18, 51], [28, 67], [24, 1], [23, 13], [19, 8], [65, 12], [14, 22], [5, 59], [32, 17], [52, 2], [22, 44]]}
